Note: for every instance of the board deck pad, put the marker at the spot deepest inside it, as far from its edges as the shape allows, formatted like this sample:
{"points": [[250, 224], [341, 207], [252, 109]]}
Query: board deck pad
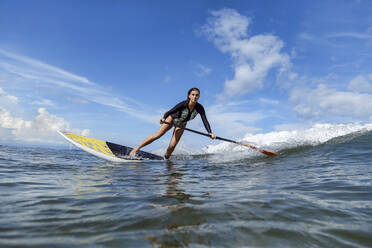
{"points": [[107, 150]]}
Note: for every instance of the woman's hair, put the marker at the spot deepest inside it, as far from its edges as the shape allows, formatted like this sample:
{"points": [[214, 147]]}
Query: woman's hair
{"points": [[192, 89]]}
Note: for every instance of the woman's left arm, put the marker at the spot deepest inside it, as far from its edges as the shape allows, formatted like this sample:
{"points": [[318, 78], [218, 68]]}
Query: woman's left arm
{"points": [[205, 121]]}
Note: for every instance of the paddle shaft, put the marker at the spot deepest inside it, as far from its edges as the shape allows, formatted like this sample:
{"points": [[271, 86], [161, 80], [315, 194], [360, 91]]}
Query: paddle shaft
{"points": [[228, 140]]}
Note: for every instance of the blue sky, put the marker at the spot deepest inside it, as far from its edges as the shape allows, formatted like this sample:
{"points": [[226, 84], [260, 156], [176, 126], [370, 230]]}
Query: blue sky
{"points": [[110, 69]]}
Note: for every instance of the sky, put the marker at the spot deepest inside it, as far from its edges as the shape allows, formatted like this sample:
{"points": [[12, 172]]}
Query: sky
{"points": [[110, 69]]}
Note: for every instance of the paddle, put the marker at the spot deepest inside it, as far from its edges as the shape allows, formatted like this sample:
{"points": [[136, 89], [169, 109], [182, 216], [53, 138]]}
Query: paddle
{"points": [[228, 140]]}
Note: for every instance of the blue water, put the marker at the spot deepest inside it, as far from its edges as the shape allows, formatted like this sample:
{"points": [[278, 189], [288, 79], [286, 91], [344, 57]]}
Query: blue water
{"points": [[310, 195]]}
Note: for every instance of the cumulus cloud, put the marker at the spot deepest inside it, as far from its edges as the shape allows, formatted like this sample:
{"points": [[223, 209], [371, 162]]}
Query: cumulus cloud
{"points": [[324, 102], [42, 129], [253, 56]]}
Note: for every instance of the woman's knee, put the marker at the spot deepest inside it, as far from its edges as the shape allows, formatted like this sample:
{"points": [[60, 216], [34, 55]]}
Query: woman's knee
{"points": [[178, 134], [176, 137]]}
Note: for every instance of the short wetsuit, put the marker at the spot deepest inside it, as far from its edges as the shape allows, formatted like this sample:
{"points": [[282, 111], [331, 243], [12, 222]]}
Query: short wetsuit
{"points": [[181, 114]]}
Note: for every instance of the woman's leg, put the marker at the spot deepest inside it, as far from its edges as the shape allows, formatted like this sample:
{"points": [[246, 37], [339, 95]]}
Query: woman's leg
{"points": [[162, 130], [177, 134]]}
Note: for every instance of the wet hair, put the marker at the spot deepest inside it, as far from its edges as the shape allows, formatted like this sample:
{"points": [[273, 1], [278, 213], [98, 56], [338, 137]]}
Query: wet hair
{"points": [[192, 89]]}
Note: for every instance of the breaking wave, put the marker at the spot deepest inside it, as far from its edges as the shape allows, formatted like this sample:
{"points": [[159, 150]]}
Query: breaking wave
{"points": [[278, 141]]}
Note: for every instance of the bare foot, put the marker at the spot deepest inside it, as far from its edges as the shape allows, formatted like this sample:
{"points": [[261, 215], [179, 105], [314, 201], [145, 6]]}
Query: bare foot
{"points": [[166, 157]]}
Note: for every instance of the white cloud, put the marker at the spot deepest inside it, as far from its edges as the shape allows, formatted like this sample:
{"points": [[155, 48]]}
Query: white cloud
{"points": [[361, 84], [253, 56], [7, 98], [290, 126], [324, 102], [8, 101], [42, 129]]}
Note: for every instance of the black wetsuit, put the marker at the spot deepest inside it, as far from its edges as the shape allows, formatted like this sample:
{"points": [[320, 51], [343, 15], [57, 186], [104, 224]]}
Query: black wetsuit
{"points": [[181, 114]]}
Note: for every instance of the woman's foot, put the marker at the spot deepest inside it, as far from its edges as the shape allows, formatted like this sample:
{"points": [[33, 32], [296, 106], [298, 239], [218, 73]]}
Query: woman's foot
{"points": [[166, 157]]}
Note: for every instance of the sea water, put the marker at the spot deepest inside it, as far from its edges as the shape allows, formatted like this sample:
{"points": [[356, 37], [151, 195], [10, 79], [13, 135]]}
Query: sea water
{"points": [[316, 193]]}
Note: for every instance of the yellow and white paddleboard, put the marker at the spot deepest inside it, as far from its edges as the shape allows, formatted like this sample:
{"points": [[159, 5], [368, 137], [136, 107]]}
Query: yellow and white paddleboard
{"points": [[107, 150]]}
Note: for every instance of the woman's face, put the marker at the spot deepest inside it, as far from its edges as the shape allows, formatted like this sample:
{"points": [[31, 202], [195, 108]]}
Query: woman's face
{"points": [[194, 96]]}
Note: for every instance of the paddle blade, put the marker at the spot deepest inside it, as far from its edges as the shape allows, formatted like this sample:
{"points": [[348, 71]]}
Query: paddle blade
{"points": [[268, 153]]}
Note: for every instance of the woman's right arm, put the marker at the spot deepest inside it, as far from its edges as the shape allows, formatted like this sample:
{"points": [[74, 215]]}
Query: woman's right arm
{"points": [[173, 110]]}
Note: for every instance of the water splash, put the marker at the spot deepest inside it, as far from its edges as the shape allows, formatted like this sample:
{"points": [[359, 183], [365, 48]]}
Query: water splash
{"points": [[280, 140]]}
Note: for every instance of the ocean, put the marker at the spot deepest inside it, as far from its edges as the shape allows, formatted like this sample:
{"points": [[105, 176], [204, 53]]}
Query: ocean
{"points": [[316, 193]]}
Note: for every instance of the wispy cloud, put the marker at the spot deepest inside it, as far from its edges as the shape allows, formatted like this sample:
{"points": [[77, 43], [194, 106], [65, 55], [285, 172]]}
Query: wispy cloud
{"points": [[31, 74], [77, 100], [355, 35], [5, 97], [201, 70], [268, 101], [361, 83], [305, 36], [44, 69], [44, 102]]}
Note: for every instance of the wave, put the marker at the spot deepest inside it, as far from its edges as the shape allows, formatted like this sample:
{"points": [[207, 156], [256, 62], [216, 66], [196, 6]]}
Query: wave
{"points": [[282, 142], [279, 141]]}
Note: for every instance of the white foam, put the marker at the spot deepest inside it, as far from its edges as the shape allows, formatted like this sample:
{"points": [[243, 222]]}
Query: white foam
{"points": [[278, 140]]}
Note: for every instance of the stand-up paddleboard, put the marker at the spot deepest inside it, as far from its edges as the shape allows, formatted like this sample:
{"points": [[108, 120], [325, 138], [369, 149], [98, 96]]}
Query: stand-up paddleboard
{"points": [[107, 150]]}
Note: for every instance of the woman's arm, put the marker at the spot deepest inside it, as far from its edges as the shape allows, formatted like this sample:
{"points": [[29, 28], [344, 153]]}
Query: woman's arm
{"points": [[204, 119], [173, 110]]}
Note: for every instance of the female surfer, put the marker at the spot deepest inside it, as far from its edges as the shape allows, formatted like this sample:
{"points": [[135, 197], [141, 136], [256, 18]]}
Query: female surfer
{"points": [[178, 116]]}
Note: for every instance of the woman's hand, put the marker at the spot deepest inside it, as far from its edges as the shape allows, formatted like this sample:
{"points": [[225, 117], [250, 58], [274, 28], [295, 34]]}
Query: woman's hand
{"points": [[213, 136]]}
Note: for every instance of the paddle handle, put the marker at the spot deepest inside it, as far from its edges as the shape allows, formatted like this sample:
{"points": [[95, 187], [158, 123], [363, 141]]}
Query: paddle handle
{"points": [[269, 153]]}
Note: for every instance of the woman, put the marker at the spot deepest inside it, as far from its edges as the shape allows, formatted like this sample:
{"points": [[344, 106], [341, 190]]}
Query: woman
{"points": [[178, 116]]}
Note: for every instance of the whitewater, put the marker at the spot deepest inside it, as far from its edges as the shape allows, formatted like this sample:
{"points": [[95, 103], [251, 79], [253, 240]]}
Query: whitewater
{"points": [[278, 140]]}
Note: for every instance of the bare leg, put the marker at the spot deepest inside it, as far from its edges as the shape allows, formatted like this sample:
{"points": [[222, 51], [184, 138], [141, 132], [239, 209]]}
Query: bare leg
{"points": [[162, 130], [177, 134]]}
